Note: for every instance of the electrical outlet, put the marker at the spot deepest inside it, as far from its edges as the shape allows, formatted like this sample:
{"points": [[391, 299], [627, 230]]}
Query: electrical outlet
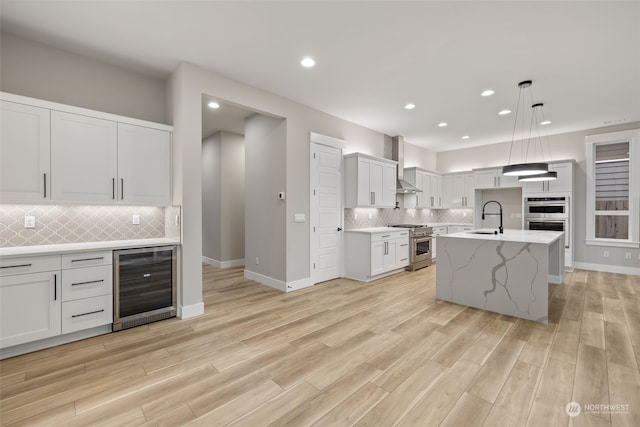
{"points": [[257, 260], [370, 215], [464, 214], [355, 215], [627, 255], [606, 254], [135, 220], [177, 220], [29, 221]]}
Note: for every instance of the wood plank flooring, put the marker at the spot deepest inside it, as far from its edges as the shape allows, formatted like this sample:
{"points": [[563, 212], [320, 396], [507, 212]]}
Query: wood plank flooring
{"points": [[345, 353]]}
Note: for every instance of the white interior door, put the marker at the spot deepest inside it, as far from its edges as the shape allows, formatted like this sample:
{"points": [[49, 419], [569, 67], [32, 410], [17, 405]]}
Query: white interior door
{"points": [[326, 212]]}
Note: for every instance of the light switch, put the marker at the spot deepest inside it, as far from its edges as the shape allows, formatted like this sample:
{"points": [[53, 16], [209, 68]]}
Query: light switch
{"points": [[135, 220], [29, 221], [281, 195], [299, 217]]}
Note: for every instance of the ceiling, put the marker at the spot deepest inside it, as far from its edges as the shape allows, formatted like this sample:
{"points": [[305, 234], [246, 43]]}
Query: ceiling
{"points": [[375, 57], [228, 118]]}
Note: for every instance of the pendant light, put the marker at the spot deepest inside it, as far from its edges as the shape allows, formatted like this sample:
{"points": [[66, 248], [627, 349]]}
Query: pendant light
{"points": [[523, 169]]}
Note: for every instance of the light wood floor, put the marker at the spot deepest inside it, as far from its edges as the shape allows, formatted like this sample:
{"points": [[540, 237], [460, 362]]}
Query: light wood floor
{"points": [[342, 353]]}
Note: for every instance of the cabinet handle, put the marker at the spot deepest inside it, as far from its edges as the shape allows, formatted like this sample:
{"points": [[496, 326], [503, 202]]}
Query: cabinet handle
{"points": [[432, 201], [45, 185], [86, 314], [386, 235], [440, 201], [386, 245], [55, 287], [113, 188], [404, 259], [121, 188], [374, 197], [87, 259], [87, 283], [371, 198], [406, 244], [16, 266]]}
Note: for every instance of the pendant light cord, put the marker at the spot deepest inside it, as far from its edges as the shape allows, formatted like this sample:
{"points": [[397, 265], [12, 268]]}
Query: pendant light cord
{"points": [[515, 123]]}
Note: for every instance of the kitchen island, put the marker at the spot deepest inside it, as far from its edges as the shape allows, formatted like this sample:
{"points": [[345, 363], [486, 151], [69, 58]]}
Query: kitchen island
{"points": [[506, 273]]}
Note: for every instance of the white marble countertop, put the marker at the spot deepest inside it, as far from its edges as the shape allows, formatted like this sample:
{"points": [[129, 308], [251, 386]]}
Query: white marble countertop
{"points": [[373, 230], [85, 246], [524, 236]]}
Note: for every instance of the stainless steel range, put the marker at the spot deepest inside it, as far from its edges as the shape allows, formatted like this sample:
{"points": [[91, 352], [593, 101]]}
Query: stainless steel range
{"points": [[420, 245]]}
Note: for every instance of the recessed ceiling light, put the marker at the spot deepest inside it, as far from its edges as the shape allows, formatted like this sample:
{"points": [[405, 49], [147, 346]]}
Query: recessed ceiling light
{"points": [[442, 124], [504, 112], [487, 92], [213, 105], [466, 137], [410, 106], [308, 62], [546, 122]]}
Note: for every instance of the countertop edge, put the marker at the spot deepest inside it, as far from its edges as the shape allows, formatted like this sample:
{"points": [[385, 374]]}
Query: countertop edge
{"points": [[83, 246]]}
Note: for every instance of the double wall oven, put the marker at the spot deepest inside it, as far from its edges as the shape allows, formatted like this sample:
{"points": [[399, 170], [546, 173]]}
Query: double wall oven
{"points": [[549, 214]]}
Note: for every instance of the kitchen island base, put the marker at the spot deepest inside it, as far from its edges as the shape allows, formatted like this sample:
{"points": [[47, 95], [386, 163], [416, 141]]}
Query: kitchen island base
{"points": [[507, 274]]}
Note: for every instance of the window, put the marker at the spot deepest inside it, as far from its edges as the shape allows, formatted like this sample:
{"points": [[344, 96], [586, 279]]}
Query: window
{"points": [[613, 188]]}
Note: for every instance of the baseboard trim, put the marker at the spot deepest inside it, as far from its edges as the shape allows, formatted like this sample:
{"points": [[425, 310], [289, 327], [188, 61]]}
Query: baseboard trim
{"points": [[607, 268], [188, 311], [299, 284], [223, 264], [265, 280]]}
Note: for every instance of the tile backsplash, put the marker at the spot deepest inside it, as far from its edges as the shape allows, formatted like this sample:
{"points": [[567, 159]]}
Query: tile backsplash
{"points": [[359, 217], [73, 224]]}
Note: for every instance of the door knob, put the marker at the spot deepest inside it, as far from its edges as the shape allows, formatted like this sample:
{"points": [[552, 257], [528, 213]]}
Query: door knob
{"points": [[339, 229]]}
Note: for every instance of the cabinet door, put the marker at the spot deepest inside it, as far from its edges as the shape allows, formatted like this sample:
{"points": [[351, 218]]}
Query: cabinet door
{"points": [[29, 308], [389, 179], [505, 181], [144, 165], [84, 156], [376, 183], [458, 193], [391, 261], [423, 182], [24, 153], [534, 187], [564, 182], [378, 253], [364, 182], [486, 178], [437, 191], [469, 190]]}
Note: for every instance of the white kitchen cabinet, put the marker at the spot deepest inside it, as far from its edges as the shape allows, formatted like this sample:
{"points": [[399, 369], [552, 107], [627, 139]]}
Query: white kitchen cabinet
{"points": [[30, 299], [84, 158], [431, 185], [144, 165], [370, 182], [493, 178], [459, 190], [25, 152], [563, 184], [437, 231], [373, 255], [458, 228]]}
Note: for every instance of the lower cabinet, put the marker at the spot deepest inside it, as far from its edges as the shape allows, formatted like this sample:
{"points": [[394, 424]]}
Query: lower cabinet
{"points": [[30, 300], [373, 255], [47, 296]]}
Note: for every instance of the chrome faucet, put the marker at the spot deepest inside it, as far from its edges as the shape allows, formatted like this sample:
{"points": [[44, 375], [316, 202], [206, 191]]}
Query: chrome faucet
{"points": [[483, 214]]}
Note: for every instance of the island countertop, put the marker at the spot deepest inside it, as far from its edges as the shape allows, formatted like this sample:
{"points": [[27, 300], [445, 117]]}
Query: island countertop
{"points": [[520, 236]]}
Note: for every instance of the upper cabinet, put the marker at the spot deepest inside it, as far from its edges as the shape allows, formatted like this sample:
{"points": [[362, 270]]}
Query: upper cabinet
{"points": [[493, 178], [24, 153], [563, 184], [459, 190], [431, 185], [84, 158], [144, 165], [370, 182], [65, 154]]}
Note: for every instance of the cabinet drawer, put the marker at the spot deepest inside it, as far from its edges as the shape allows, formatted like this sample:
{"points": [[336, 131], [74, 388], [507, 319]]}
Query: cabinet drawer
{"points": [[87, 282], [32, 264], [380, 237], [87, 259], [403, 253], [86, 313]]}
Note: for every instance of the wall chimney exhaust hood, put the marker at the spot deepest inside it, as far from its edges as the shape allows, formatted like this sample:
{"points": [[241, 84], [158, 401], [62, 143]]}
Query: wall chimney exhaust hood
{"points": [[397, 154]]}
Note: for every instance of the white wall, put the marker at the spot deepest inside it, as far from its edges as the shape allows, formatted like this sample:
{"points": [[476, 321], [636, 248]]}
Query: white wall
{"points": [[419, 157], [563, 146], [39, 71], [212, 197]]}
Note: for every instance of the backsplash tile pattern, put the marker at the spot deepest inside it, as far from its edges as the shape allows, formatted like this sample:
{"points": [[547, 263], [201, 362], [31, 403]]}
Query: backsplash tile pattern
{"points": [[384, 217], [73, 224]]}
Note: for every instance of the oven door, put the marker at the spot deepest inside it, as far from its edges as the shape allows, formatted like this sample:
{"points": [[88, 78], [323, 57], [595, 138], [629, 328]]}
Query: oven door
{"points": [[550, 225], [547, 209], [420, 249]]}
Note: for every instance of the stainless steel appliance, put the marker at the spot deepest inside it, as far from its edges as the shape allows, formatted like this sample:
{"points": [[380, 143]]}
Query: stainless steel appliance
{"points": [[144, 285], [548, 214], [420, 245], [546, 207]]}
